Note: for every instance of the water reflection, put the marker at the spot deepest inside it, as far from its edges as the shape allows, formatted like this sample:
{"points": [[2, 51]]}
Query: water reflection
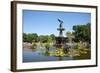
{"points": [[42, 53]]}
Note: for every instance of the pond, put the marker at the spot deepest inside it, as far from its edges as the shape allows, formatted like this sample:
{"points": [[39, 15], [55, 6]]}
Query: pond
{"points": [[39, 55]]}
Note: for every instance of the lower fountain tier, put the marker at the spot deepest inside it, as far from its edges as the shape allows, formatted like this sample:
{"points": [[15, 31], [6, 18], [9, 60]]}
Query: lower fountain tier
{"points": [[60, 42]]}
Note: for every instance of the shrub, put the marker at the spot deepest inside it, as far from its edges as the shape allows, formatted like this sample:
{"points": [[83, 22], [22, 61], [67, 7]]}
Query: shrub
{"points": [[78, 46], [34, 45]]}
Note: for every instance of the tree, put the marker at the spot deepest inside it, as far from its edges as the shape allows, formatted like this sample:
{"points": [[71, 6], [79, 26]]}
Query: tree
{"points": [[49, 39], [34, 37], [82, 32], [53, 37], [43, 38], [24, 37], [30, 37]]}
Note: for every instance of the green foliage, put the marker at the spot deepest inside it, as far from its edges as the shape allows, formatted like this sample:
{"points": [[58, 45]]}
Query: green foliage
{"points": [[70, 36], [33, 37], [34, 45], [24, 37], [59, 52], [43, 38], [83, 54], [46, 38], [47, 45], [52, 36], [78, 46], [82, 32], [30, 37], [49, 39]]}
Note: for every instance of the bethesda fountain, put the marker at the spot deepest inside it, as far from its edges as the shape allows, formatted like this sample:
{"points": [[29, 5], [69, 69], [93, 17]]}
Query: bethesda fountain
{"points": [[60, 40]]}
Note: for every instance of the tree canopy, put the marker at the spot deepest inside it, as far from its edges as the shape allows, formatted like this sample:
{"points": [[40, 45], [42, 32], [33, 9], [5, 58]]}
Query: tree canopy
{"points": [[33, 37], [82, 32], [30, 37]]}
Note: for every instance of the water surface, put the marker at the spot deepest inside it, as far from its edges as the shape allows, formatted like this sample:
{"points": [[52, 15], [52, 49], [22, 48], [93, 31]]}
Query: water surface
{"points": [[38, 55]]}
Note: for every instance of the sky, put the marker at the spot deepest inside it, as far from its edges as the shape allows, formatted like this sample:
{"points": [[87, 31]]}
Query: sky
{"points": [[46, 22]]}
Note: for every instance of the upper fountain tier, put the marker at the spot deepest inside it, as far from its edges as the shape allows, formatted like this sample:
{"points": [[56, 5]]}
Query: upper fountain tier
{"points": [[60, 29]]}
